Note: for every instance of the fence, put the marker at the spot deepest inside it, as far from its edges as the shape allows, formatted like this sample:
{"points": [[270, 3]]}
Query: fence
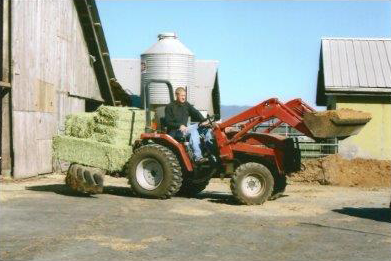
{"points": [[309, 148]]}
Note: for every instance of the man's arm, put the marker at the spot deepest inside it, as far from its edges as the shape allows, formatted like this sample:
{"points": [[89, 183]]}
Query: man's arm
{"points": [[170, 118], [195, 114]]}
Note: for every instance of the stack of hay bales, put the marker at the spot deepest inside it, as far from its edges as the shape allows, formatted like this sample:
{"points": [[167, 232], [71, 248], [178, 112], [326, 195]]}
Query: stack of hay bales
{"points": [[118, 125], [80, 125], [102, 139]]}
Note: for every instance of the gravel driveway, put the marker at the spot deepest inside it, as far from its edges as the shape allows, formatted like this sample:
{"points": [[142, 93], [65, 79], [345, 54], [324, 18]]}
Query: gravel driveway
{"points": [[41, 219]]}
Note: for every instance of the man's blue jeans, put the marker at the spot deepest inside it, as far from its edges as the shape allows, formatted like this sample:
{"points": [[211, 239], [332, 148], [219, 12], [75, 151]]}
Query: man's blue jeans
{"points": [[192, 131]]}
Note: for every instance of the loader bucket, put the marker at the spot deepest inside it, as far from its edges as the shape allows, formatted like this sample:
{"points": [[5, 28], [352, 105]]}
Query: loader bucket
{"points": [[340, 123]]}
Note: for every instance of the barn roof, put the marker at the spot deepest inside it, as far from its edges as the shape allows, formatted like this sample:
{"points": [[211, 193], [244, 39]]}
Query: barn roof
{"points": [[354, 66], [111, 90]]}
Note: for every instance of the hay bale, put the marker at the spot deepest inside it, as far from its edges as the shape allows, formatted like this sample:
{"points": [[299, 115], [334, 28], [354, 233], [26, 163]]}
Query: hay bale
{"points": [[91, 153], [118, 125], [100, 139], [113, 131], [119, 116], [116, 135], [80, 125], [111, 139]]}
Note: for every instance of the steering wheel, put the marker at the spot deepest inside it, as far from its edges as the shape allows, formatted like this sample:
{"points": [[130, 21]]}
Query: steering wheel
{"points": [[210, 120]]}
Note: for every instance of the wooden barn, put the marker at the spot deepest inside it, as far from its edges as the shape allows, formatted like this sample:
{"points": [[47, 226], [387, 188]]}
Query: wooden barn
{"points": [[54, 61]]}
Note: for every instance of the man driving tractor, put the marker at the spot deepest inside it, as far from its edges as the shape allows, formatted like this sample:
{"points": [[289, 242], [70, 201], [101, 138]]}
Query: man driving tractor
{"points": [[176, 117], [256, 162]]}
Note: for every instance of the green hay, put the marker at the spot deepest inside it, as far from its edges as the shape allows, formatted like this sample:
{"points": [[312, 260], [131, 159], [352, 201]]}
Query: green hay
{"points": [[116, 116], [100, 139], [120, 132], [91, 153], [118, 125], [118, 113], [111, 140], [117, 136], [80, 125], [112, 131]]}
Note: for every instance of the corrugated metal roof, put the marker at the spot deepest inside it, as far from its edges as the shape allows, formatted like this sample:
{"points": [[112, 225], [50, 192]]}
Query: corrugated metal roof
{"points": [[205, 77], [205, 72], [356, 64], [127, 72]]}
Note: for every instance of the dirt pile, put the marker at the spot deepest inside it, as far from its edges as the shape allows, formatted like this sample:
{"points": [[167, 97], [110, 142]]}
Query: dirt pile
{"points": [[345, 114], [335, 170]]}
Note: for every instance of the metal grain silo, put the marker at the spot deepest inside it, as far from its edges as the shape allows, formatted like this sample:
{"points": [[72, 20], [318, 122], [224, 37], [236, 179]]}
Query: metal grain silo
{"points": [[168, 59]]}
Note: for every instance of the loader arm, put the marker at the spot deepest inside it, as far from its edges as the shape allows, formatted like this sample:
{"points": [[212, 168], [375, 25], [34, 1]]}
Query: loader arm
{"points": [[296, 105], [290, 113], [294, 113], [240, 142]]}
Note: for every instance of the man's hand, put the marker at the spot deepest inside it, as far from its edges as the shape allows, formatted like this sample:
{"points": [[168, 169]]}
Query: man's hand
{"points": [[230, 129], [205, 123], [183, 128]]}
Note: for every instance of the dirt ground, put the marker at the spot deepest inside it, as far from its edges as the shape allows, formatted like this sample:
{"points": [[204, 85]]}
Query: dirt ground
{"points": [[335, 170], [41, 219]]}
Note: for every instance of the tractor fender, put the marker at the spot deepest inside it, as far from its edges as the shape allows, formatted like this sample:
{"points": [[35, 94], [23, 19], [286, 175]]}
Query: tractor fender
{"points": [[276, 152], [167, 140]]}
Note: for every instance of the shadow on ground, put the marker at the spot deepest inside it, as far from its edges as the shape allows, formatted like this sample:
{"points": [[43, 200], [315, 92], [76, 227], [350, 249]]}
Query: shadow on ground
{"points": [[225, 198], [64, 190], [377, 214], [217, 197]]}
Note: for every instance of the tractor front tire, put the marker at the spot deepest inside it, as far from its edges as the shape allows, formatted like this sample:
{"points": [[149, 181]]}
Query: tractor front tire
{"points": [[252, 183], [154, 171]]}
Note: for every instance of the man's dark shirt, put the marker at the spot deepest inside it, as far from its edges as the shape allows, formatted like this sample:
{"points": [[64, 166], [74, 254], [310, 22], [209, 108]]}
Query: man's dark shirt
{"points": [[177, 114]]}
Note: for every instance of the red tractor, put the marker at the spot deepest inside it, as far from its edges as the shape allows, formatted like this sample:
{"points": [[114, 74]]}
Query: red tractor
{"points": [[257, 162]]}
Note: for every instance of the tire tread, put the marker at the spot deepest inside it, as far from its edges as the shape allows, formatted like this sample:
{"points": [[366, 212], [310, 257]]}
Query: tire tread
{"points": [[242, 170], [176, 180]]}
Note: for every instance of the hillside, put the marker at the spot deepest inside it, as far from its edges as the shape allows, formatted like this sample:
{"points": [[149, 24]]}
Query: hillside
{"points": [[231, 110]]}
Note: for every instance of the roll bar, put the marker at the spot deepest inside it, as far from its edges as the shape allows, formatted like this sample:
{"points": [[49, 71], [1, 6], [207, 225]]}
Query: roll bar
{"points": [[147, 105]]}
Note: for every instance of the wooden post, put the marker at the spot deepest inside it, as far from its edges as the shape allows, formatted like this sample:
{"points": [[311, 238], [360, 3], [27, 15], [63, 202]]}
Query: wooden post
{"points": [[5, 87]]}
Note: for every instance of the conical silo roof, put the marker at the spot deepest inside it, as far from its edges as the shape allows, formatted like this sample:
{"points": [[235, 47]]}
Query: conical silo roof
{"points": [[168, 59], [168, 44]]}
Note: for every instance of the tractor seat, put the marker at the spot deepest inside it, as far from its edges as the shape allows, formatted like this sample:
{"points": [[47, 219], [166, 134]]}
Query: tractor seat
{"points": [[178, 135]]}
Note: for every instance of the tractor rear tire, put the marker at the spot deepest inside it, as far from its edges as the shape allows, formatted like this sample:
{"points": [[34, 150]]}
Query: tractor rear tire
{"points": [[154, 171], [252, 183], [85, 179]]}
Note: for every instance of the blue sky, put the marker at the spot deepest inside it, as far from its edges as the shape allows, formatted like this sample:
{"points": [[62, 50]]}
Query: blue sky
{"points": [[265, 48]]}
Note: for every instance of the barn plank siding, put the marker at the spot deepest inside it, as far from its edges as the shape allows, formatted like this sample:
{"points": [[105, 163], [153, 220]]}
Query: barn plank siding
{"points": [[51, 63]]}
